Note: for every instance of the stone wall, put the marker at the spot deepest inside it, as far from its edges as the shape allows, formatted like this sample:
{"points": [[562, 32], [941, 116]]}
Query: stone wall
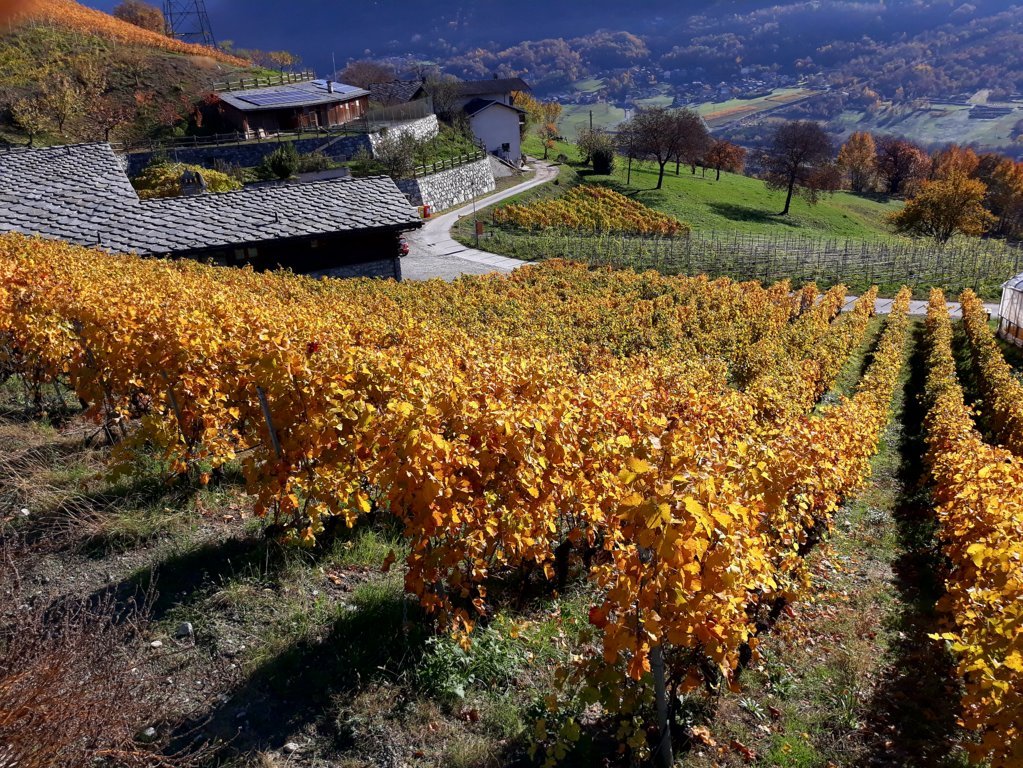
{"points": [[249, 155], [423, 129], [340, 149], [447, 189]]}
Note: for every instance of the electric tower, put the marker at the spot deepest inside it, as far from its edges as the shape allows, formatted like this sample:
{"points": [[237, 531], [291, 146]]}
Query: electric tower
{"points": [[188, 21]]}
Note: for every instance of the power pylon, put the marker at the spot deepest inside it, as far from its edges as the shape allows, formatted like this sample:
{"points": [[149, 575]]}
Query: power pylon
{"points": [[188, 21]]}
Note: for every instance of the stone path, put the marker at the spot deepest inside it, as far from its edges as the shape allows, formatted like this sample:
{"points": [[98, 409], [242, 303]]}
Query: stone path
{"points": [[434, 253]]}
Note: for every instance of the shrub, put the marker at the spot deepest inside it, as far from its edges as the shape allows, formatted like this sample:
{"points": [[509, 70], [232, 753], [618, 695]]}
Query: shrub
{"points": [[282, 163], [163, 179], [603, 161], [313, 162]]}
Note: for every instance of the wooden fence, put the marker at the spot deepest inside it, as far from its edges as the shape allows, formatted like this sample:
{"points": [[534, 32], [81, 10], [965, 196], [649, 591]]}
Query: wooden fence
{"points": [[280, 78]]}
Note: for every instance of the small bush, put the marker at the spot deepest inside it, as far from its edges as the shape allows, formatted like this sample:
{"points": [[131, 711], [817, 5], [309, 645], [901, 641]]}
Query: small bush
{"points": [[282, 163], [163, 179], [603, 162], [72, 692], [314, 162], [450, 671]]}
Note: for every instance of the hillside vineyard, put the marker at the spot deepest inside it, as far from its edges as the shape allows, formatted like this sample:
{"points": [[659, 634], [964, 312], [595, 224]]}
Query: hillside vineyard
{"points": [[659, 438]]}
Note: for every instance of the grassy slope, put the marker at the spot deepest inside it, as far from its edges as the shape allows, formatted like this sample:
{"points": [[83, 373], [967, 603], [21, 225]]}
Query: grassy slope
{"points": [[129, 64], [741, 204]]}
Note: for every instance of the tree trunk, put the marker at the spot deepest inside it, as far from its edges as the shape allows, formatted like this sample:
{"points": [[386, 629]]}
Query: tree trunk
{"points": [[663, 757], [660, 176], [678, 165], [628, 179], [788, 195], [719, 174]]}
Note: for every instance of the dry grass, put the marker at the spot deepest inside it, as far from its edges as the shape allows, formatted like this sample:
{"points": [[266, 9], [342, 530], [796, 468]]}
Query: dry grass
{"points": [[71, 688]]}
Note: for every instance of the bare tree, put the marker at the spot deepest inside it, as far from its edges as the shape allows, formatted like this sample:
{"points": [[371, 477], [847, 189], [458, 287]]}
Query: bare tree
{"points": [[663, 135], [801, 158], [367, 72]]}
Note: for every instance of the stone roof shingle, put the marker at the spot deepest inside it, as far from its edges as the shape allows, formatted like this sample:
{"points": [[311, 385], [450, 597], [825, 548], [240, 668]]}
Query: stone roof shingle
{"points": [[80, 194]]}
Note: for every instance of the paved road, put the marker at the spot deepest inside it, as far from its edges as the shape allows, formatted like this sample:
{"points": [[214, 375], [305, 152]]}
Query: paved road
{"points": [[434, 253], [917, 308]]}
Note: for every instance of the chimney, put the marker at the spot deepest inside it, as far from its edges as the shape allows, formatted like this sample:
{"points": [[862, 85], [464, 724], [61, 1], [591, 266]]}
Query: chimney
{"points": [[330, 86]]}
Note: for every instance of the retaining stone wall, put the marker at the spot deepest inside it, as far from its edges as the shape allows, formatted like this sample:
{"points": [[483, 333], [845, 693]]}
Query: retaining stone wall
{"points": [[447, 189], [423, 129], [340, 149]]}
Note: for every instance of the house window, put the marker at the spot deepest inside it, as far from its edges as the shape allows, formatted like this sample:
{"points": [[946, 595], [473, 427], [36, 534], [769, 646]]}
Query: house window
{"points": [[506, 147]]}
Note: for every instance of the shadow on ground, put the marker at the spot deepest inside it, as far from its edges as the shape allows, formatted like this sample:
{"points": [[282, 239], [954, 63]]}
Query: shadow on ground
{"points": [[912, 716]]}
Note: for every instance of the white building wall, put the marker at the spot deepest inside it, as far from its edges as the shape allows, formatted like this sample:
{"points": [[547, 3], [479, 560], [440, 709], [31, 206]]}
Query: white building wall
{"points": [[496, 127]]}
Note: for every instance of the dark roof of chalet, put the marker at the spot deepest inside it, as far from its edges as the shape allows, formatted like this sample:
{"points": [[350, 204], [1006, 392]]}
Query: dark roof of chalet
{"points": [[80, 194], [476, 106], [489, 87], [309, 93], [396, 91]]}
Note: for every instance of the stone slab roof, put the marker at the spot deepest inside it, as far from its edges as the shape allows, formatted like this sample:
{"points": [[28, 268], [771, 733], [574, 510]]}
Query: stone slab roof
{"points": [[469, 88], [80, 194], [476, 106], [396, 91]]}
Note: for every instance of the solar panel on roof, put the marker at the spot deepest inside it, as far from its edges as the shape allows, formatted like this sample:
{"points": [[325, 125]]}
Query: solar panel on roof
{"points": [[275, 97]]}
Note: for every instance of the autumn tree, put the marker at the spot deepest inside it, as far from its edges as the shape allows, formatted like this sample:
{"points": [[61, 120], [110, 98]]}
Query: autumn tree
{"points": [[141, 15], [901, 165], [366, 72], [31, 117], [954, 160], [858, 160], [725, 156], [63, 99], [945, 207], [800, 159], [283, 59], [542, 117], [1005, 197], [106, 113]]}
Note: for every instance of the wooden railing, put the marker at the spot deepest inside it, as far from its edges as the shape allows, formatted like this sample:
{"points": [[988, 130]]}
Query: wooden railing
{"points": [[280, 78]]}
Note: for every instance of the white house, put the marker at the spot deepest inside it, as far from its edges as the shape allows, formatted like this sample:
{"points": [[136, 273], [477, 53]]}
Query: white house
{"points": [[494, 119], [498, 126], [1010, 312]]}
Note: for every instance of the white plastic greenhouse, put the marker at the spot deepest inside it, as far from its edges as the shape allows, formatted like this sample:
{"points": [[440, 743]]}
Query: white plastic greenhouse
{"points": [[1010, 327]]}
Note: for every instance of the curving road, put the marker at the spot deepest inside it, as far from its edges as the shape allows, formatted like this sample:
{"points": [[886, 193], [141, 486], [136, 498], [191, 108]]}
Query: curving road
{"points": [[434, 253]]}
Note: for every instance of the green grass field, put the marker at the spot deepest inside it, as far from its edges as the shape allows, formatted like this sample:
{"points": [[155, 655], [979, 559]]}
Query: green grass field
{"points": [[576, 117], [738, 203], [938, 124]]}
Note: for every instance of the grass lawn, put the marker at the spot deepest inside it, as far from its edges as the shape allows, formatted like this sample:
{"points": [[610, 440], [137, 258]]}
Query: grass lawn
{"points": [[576, 117], [736, 203]]}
